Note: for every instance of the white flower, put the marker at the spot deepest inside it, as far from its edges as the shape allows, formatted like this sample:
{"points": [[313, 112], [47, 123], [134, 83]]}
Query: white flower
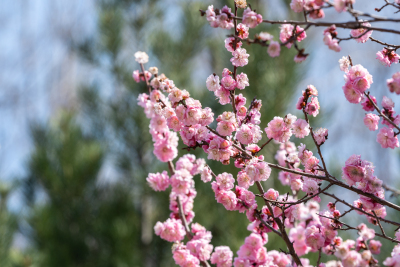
{"points": [[141, 57]]}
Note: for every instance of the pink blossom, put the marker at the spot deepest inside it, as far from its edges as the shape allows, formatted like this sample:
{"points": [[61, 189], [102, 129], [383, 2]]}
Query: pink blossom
{"points": [[271, 194], [227, 198], [387, 103], [365, 232], [181, 181], [375, 247], [310, 186], [250, 18], [359, 77], [230, 43], [394, 83], [301, 128], [361, 33], [297, 5], [333, 44], [321, 135], [174, 123], [278, 130], [312, 107], [225, 128], [387, 57], [225, 181], [274, 49], [242, 81], [297, 236], [228, 82], [244, 180], [219, 149], [175, 95], [165, 149], [352, 95], [222, 256], [258, 171], [341, 5], [240, 57], [224, 19], [354, 170], [171, 230], [158, 181], [200, 248], [242, 30], [393, 261], [367, 105], [240, 100], [386, 138], [239, 262], [223, 95], [212, 82], [287, 32], [314, 238], [371, 121], [206, 174], [159, 124], [352, 259]]}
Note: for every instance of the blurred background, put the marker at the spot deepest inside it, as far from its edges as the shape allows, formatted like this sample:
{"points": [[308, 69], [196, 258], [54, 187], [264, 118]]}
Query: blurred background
{"points": [[75, 148]]}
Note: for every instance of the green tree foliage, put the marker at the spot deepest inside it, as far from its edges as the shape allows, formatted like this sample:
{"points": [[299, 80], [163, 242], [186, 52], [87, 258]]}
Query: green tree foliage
{"points": [[78, 222]]}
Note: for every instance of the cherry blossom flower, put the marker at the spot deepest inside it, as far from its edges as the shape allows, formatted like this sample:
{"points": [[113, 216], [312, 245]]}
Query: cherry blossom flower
{"points": [[386, 138], [387, 57], [242, 81], [222, 256], [321, 135], [212, 82], [171, 230], [274, 49], [240, 57], [250, 18], [230, 43], [243, 31], [141, 57], [371, 121]]}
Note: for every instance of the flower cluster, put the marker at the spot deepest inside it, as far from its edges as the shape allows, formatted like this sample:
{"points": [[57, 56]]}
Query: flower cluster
{"points": [[220, 17], [387, 57], [173, 111], [329, 38], [289, 34], [313, 7], [358, 80], [311, 107]]}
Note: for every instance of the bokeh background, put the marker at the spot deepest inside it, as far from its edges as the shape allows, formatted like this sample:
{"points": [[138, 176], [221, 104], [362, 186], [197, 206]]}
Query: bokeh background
{"points": [[75, 148]]}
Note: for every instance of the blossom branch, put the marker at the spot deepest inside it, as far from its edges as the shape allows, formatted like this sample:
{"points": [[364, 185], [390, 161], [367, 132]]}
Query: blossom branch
{"points": [[281, 226]]}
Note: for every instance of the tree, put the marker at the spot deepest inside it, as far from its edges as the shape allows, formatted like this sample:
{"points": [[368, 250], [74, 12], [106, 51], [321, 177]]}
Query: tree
{"points": [[310, 230]]}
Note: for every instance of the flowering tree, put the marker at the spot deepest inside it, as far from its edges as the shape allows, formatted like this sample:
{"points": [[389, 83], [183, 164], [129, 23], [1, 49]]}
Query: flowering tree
{"points": [[297, 217]]}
